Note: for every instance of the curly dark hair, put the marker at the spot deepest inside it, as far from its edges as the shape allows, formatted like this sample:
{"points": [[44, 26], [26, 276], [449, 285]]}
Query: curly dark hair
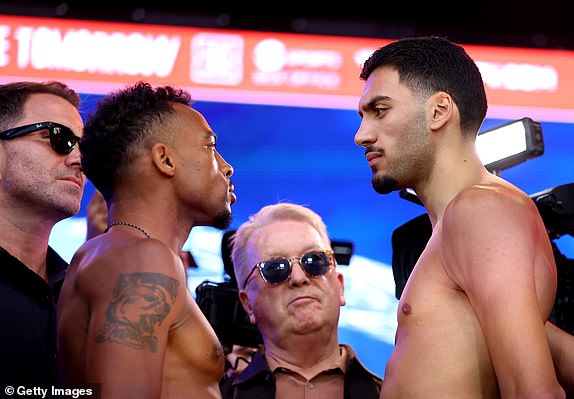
{"points": [[430, 64], [122, 120], [14, 95]]}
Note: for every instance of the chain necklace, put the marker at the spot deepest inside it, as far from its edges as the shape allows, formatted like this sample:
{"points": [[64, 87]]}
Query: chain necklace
{"points": [[133, 226]]}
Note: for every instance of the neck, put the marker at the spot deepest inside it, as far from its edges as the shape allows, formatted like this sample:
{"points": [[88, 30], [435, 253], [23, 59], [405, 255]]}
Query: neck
{"points": [[27, 241], [127, 224], [453, 170], [309, 353], [149, 220]]}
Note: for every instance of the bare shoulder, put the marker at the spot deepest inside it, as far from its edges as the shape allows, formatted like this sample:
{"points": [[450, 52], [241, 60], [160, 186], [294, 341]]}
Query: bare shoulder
{"points": [[105, 257], [491, 197], [104, 267], [481, 222], [135, 288], [477, 209]]}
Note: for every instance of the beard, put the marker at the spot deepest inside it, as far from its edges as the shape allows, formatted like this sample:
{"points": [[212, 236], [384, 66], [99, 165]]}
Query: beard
{"points": [[412, 158], [222, 221], [384, 184]]}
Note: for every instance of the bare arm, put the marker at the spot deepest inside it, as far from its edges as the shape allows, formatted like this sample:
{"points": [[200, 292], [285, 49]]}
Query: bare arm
{"points": [[493, 251], [562, 349], [130, 321]]}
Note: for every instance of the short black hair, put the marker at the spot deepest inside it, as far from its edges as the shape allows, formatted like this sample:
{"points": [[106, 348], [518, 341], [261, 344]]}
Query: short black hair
{"points": [[122, 120], [431, 64]]}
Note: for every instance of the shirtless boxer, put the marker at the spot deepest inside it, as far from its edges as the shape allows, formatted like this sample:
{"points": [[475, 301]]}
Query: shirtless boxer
{"points": [[471, 319], [127, 321]]}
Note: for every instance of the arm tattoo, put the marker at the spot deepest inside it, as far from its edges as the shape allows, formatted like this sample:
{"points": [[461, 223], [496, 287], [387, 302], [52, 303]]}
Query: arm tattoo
{"points": [[141, 302]]}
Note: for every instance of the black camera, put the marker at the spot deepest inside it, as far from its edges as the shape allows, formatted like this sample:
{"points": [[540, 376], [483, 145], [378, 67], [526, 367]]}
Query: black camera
{"points": [[220, 304]]}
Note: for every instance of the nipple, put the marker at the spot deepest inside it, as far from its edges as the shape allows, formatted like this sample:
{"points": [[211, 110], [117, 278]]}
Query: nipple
{"points": [[406, 308]]}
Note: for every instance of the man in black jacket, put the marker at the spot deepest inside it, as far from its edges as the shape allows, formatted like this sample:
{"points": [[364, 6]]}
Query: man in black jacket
{"points": [[41, 183]]}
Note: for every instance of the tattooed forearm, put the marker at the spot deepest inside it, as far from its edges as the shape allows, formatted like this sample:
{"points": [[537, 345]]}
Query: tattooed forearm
{"points": [[141, 302]]}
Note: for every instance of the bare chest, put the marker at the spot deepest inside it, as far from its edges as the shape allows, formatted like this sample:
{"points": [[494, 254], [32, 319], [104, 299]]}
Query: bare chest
{"points": [[439, 348], [428, 288], [193, 347]]}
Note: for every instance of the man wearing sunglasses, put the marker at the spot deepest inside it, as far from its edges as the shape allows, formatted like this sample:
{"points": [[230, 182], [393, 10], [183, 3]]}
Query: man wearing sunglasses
{"points": [[291, 289], [126, 319], [41, 183]]}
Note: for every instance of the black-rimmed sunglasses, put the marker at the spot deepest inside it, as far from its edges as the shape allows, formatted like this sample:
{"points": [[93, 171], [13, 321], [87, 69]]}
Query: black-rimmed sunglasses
{"points": [[278, 270], [62, 139]]}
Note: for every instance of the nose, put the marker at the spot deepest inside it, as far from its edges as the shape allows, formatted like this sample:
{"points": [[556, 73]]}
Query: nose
{"points": [[74, 157], [225, 167], [364, 137], [298, 275]]}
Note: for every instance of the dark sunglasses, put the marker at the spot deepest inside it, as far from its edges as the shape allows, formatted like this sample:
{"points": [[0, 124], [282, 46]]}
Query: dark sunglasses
{"points": [[278, 270], [62, 139]]}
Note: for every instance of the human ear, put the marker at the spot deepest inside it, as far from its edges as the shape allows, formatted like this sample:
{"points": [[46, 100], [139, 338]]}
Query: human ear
{"points": [[162, 158], [342, 300], [245, 302], [442, 109]]}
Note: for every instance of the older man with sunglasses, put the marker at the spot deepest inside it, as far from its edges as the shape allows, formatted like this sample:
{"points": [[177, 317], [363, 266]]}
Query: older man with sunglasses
{"points": [[41, 183], [290, 288]]}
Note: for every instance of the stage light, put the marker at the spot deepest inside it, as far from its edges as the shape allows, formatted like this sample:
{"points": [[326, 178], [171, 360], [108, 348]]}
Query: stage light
{"points": [[510, 144]]}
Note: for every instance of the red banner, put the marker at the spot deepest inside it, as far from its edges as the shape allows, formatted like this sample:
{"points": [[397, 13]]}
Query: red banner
{"points": [[258, 67]]}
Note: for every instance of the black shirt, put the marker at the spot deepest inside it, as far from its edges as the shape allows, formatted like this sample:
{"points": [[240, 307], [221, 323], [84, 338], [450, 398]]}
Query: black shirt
{"points": [[28, 322]]}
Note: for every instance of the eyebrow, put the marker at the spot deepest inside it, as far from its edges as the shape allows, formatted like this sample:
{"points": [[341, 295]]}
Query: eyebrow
{"points": [[371, 104], [312, 248]]}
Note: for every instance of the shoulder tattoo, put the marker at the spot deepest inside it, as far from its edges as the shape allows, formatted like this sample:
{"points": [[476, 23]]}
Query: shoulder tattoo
{"points": [[141, 302]]}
